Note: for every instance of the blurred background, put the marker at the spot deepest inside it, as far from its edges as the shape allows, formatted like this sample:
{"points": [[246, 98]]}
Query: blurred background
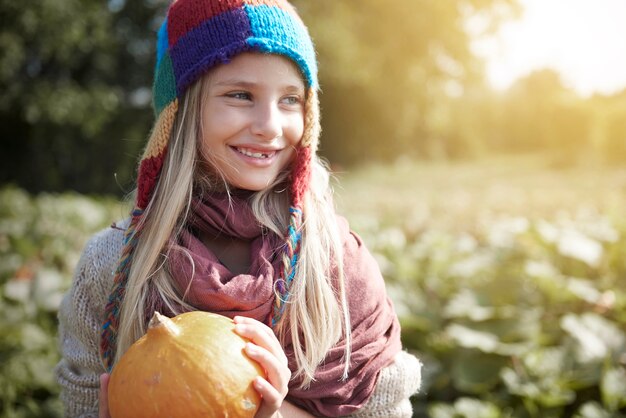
{"points": [[479, 148]]}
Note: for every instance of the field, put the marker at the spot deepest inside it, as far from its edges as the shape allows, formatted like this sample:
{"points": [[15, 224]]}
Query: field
{"points": [[454, 196], [508, 276]]}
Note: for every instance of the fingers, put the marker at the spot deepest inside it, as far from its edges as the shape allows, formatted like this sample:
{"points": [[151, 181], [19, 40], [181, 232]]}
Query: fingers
{"points": [[265, 349], [278, 374], [259, 325], [261, 335], [103, 410], [272, 399]]}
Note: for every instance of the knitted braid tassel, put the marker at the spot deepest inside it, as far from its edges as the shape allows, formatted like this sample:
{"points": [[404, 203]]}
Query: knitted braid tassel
{"points": [[108, 340], [301, 176]]}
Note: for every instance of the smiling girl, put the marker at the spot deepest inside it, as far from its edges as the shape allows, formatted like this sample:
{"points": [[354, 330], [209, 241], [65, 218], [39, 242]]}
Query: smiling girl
{"points": [[233, 214]]}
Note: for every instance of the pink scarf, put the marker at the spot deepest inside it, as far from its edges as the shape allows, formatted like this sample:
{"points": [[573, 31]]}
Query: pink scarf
{"points": [[375, 328]]}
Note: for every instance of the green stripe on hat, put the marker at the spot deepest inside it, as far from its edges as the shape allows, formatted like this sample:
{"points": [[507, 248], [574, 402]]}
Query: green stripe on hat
{"points": [[164, 88]]}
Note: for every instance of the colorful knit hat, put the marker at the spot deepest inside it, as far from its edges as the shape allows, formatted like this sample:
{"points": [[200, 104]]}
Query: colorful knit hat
{"points": [[195, 36]]}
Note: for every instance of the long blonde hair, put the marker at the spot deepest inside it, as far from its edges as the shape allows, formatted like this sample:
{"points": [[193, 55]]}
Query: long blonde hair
{"points": [[316, 316]]}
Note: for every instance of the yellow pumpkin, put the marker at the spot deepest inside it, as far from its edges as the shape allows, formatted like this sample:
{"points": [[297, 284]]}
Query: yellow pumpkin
{"points": [[192, 365]]}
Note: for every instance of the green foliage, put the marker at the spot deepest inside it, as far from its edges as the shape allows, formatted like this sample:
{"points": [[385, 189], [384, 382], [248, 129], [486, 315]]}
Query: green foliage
{"points": [[391, 73], [513, 316], [75, 79], [40, 242]]}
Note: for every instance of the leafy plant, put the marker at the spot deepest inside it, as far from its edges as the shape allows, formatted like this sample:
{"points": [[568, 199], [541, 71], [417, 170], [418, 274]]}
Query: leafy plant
{"points": [[40, 242], [518, 317]]}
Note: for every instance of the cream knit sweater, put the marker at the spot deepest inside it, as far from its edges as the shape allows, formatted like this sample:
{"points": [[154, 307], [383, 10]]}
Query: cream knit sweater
{"points": [[80, 321]]}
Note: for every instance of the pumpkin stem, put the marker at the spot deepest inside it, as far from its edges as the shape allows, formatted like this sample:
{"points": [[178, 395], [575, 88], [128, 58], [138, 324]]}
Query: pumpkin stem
{"points": [[163, 322]]}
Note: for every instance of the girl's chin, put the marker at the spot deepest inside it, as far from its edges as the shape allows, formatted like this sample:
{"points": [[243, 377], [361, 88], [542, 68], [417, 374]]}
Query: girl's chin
{"points": [[231, 178], [251, 183]]}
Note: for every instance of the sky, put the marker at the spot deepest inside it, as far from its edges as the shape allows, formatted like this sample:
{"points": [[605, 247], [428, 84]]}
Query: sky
{"points": [[584, 40]]}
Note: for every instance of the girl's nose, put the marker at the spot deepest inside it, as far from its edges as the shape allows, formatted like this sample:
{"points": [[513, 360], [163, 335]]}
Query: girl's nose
{"points": [[267, 123]]}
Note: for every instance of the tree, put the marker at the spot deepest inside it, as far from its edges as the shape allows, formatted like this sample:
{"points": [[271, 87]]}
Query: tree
{"points": [[75, 103], [541, 114], [390, 71]]}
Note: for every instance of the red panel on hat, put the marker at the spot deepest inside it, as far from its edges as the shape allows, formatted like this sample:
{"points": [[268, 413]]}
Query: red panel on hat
{"points": [[185, 15]]}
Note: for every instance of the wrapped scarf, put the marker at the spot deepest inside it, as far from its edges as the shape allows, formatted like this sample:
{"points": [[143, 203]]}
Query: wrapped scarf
{"points": [[212, 287]]}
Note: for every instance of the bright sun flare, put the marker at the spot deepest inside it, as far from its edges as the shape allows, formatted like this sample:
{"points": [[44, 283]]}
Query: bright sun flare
{"points": [[584, 40]]}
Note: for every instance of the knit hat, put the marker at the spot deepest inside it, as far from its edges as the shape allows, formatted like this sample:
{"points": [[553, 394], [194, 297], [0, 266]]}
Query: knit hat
{"points": [[196, 36]]}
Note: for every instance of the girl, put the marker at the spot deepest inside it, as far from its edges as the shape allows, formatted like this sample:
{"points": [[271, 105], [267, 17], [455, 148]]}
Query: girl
{"points": [[233, 215]]}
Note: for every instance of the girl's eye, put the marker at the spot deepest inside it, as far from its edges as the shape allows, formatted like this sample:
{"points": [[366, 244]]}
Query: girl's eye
{"points": [[240, 95], [292, 100]]}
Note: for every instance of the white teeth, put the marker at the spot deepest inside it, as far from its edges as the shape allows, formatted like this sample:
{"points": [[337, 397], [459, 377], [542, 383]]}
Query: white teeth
{"points": [[250, 153]]}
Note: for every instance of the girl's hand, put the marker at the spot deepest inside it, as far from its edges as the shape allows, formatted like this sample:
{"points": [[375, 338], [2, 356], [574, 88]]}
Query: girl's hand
{"points": [[266, 350], [103, 409]]}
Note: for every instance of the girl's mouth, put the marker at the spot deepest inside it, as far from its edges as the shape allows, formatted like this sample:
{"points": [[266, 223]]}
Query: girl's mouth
{"points": [[254, 153]]}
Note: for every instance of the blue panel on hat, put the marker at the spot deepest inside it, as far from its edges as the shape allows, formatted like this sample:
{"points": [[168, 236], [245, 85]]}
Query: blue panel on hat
{"points": [[162, 43], [276, 31]]}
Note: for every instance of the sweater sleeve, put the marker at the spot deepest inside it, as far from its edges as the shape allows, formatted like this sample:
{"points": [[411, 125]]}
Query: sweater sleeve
{"points": [[80, 323], [395, 385]]}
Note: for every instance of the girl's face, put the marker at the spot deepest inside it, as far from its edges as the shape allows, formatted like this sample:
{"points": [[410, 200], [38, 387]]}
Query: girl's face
{"points": [[252, 118]]}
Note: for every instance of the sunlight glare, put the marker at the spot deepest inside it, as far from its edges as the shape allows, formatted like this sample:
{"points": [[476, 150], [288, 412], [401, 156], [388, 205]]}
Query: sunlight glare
{"points": [[584, 40]]}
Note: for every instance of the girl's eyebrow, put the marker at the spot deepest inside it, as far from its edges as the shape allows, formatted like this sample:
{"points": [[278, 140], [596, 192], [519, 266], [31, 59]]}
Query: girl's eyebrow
{"points": [[250, 84], [235, 83]]}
